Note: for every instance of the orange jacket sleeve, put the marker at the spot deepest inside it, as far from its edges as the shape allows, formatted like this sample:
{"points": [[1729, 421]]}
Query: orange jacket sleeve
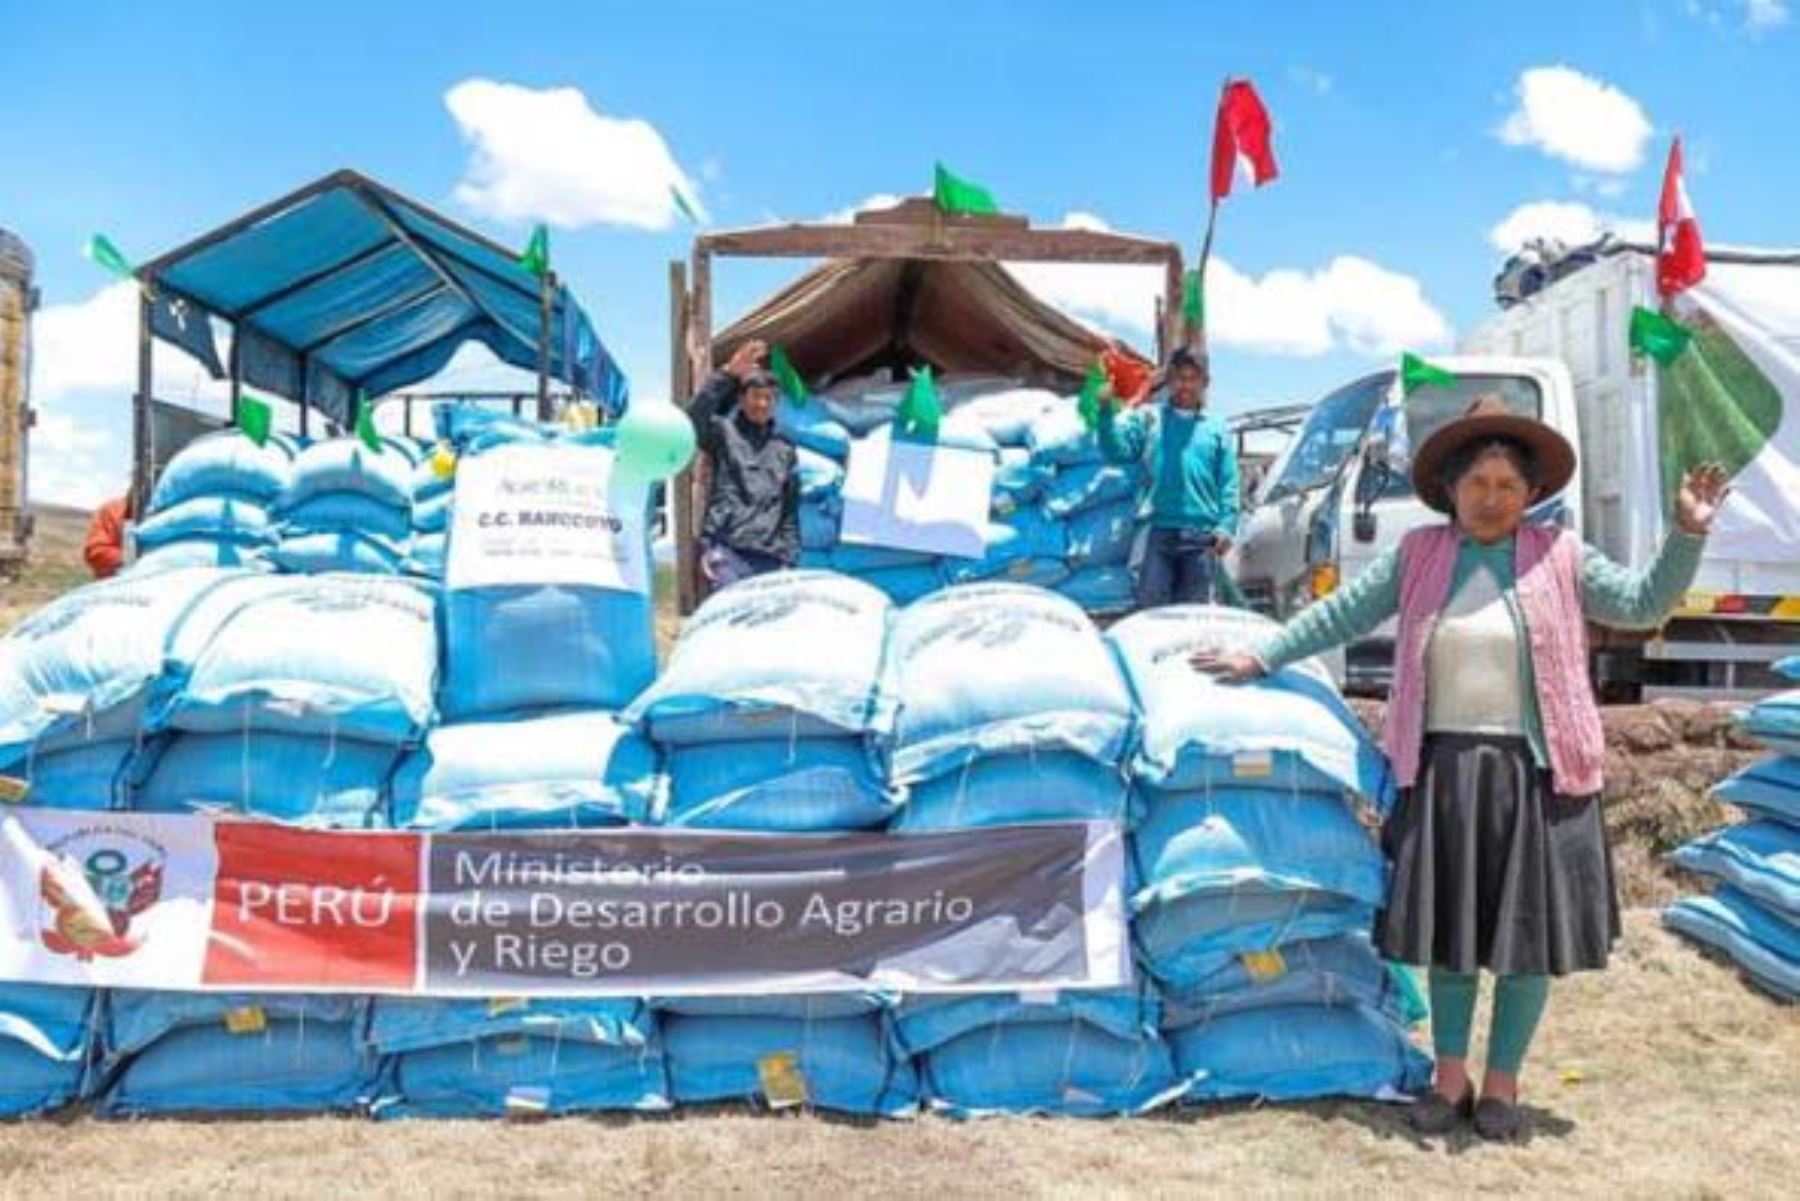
{"points": [[105, 546]]}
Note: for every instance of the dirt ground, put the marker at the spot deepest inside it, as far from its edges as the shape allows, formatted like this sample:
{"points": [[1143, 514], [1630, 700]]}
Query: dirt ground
{"points": [[1664, 1076]]}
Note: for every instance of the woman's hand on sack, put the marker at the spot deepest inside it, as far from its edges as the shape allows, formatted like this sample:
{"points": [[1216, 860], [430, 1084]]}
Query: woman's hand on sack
{"points": [[1228, 667], [1703, 490]]}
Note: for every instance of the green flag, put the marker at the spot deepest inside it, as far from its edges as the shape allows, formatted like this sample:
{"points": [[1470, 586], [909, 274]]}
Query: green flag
{"points": [[1660, 337], [365, 424], [255, 418], [954, 195], [536, 258], [1193, 299], [102, 253], [1415, 373], [1089, 405], [920, 411], [792, 386], [681, 204]]}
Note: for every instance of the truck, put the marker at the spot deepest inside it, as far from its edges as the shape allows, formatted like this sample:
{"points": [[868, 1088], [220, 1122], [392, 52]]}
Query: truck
{"points": [[18, 298], [1340, 492]]}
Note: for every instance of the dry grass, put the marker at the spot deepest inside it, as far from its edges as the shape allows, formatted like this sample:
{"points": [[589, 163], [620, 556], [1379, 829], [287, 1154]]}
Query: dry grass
{"points": [[1665, 1076], [53, 567]]}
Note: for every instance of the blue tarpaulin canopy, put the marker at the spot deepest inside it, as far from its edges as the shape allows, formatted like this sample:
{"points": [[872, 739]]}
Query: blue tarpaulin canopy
{"points": [[346, 286]]}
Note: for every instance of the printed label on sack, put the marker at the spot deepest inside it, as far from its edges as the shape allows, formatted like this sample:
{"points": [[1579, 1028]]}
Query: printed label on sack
{"points": [[14, 789], [547, 515], [1264, 966], [501, 1006], [783, 1083], [1040, 996], [1253, 765], [246, 1019]]}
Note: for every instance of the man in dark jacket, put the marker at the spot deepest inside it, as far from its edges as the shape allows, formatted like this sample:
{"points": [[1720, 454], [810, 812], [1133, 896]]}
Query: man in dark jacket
{"points": [[752, 521]]}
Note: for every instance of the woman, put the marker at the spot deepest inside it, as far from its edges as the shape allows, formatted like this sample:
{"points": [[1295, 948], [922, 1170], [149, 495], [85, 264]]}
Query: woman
{"points": [[1499, 855]]}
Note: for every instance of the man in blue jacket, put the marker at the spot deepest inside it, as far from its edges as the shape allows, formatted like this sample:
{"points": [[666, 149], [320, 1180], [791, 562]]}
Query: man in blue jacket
{"points": [[1193, 502]]}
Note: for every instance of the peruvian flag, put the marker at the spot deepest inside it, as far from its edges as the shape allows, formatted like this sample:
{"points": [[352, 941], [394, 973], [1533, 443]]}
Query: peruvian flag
{"points": [[1680, 257], [1241, 135]]}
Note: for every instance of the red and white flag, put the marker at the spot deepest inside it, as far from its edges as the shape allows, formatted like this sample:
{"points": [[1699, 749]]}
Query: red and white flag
{"points": [[1242, 136], [1680, 256]]}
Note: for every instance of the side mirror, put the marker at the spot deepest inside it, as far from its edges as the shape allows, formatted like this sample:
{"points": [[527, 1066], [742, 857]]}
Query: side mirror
{"points": [[1362, 524]]}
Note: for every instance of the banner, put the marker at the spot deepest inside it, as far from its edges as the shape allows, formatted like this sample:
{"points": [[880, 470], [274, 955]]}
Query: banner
{"points": [[1733, 397], [917, 496], [535, 514], [192, 903]]}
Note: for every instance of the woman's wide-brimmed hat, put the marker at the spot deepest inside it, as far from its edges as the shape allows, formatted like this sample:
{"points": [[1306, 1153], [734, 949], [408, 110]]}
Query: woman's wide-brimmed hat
{"points": [[1489, 418]]}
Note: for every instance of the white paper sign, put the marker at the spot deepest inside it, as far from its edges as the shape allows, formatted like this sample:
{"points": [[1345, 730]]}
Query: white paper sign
{"points": [[535, 514], [914, 496]]}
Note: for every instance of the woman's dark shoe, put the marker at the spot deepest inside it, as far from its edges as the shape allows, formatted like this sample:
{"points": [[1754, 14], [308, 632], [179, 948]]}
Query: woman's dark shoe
{"points": [[1434, 1113], [1499, 1121]]}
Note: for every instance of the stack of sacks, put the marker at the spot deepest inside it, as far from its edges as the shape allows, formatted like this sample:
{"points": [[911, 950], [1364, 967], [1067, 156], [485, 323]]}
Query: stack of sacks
{"points": [[1096, 503], [75, 679], [535, 645], [44, 1047], [1252, 843], [234, 1052], [830, 1051], [1080, 1054], [211, 506], [1060, 516], [432, 488], [1754, 914], [1011, 709], [774, 713], [515, 1056], [558, 770], [292, 697], [346, 508]]}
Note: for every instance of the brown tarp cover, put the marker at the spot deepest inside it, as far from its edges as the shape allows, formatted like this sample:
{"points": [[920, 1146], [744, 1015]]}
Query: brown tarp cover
{"points": [[850, 316]]}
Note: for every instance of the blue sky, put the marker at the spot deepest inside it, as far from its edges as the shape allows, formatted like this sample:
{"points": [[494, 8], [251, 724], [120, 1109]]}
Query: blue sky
{"points": [[1408, 144]]}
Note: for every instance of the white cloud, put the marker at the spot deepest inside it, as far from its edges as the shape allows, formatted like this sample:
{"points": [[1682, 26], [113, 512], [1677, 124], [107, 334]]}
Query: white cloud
{"points": [[547, 155], [1349, 304], [1577, 118], [843, 216], [84, 372], [1566, 221], [1764, 14]]}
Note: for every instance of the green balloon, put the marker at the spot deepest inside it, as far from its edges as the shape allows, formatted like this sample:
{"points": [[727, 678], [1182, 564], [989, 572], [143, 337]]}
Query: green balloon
{"points": [[655, 440]]}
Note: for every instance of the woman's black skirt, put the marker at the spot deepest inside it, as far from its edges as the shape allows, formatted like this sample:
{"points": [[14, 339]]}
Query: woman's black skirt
{"points": [[1492, 869]]}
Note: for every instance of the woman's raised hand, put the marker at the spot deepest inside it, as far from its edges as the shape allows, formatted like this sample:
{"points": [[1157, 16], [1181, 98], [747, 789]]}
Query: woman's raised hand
{"points": [[1703, 490]]}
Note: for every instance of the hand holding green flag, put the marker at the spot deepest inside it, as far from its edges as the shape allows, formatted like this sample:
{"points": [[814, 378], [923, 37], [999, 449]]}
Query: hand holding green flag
{"points": [[792, 386], [1660, 337], [1416, 373], [920, 411], [682, 206], [956, 195], [536, 258], [102, 253], [255, 418]]}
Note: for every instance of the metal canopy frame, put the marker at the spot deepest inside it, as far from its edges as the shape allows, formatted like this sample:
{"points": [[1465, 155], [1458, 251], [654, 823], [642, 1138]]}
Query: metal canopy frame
{"points": [[383, 202], [915, 230]]}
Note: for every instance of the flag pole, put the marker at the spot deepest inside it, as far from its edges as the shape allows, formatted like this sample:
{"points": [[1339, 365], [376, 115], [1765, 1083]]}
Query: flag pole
{"points": [[1194, 333]]}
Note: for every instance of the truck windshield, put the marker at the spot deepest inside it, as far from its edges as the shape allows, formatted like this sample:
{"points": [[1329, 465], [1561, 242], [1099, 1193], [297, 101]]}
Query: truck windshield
{"points": [[1330, 435], [1429, 408]]}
